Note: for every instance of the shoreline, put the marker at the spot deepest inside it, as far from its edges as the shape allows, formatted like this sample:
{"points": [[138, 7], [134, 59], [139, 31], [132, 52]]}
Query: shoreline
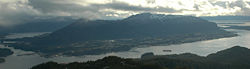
{"points": [[129, 54], [129, 48]]}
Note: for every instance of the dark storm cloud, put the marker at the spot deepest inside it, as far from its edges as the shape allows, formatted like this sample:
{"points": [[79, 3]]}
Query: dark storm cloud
{"points": [[15, 13], [150, 1], [56, 5], [230, 5], [126, 7], [221, 3], [243, 5], [91, 11], [48, 6]]}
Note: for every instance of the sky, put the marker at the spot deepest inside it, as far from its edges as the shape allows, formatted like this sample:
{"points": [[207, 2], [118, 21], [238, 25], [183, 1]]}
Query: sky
{"points": [[20, 11]]}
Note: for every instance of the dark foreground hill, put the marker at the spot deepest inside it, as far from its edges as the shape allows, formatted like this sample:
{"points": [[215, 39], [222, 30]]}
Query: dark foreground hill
{"points": [[102, 36], [232, 58]]}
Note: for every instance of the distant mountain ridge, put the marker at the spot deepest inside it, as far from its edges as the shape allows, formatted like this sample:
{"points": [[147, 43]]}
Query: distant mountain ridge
{"points": [[140, 25], [226, 17]]}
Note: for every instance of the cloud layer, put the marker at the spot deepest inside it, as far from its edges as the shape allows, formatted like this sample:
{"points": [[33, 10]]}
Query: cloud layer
{"points": [[20, 11]]}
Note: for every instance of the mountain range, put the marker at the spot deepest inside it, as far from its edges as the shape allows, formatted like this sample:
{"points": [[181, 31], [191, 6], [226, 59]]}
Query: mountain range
{"points": [[102, 36]]}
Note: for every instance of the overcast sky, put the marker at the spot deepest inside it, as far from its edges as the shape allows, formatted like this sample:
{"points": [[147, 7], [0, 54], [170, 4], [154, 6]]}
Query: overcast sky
{"points": [[19, 11]]}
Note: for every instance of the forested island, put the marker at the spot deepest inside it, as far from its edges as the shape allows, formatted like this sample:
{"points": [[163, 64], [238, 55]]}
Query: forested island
{"points": [[4, 53], [88, 37], [233, 58]]}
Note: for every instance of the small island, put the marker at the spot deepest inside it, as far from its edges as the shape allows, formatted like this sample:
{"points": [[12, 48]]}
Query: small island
{"points": [[4, 52]]}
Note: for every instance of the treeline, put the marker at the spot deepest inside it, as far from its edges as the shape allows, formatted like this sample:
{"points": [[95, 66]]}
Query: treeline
{"points": [[111, 62], [232, 58]]}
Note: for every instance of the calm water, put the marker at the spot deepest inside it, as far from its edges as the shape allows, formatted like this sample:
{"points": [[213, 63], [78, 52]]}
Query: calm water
{"points": [[202, 48]]}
